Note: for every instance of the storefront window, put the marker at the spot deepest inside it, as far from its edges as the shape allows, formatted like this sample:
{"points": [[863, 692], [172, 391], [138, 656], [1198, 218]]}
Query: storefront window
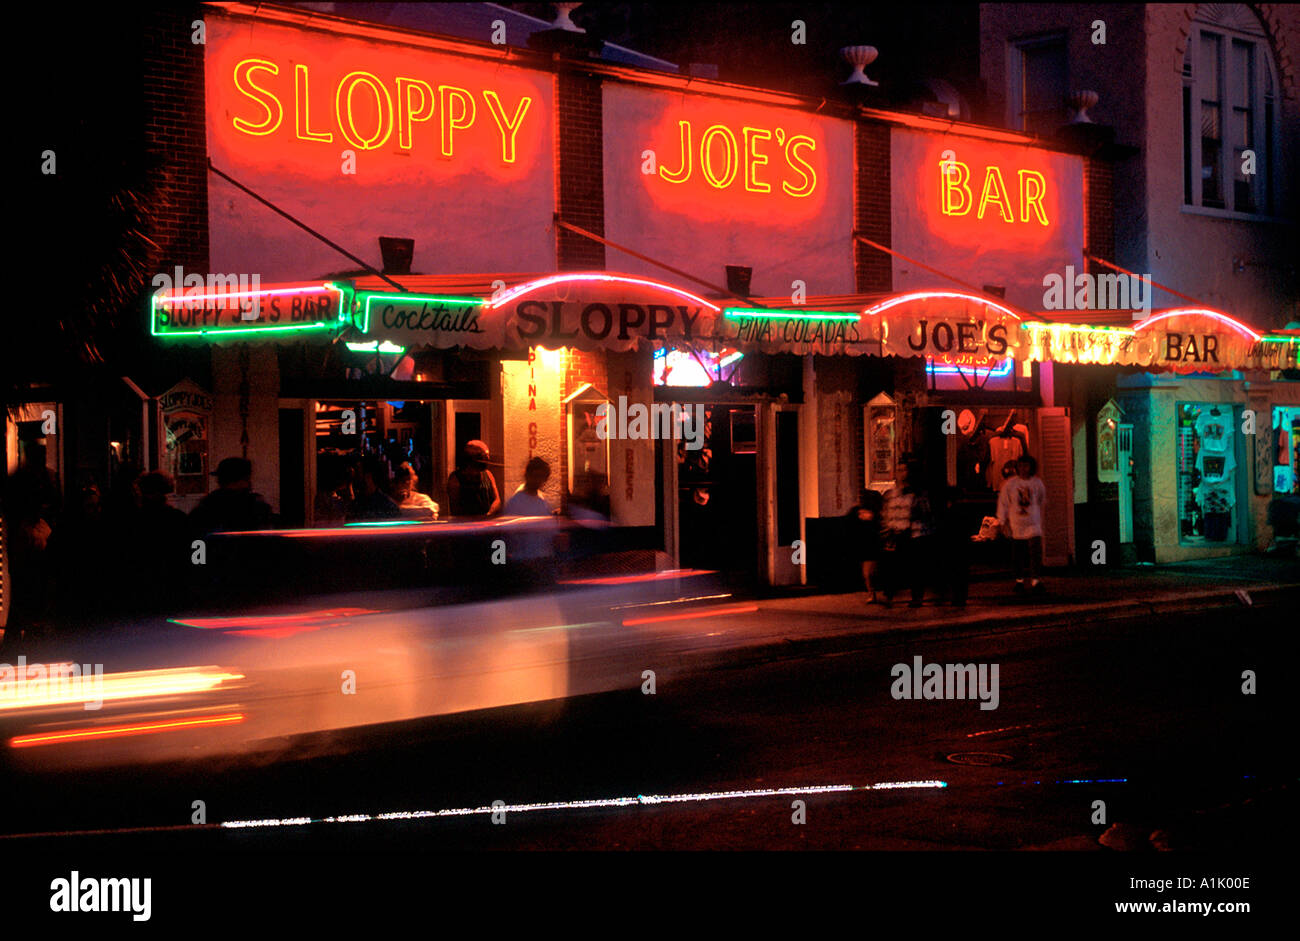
{"points": [[1286, 449], [386, 434], [988, 442], [1207, 472]]}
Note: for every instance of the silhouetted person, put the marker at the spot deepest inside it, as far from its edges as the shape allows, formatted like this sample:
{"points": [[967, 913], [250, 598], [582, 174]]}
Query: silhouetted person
{"points": [[30, 507], [233, 506], [161, 561], [89, 553], [952, 543], [412, 503], [1020, 510], [588, 501], [528, 499], [532, 553], [908, 529], [865, 538], [471, 488], [373, 503], [334, 495]]}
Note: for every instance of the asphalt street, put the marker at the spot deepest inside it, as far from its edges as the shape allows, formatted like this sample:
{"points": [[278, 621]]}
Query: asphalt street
{"points": [[1145, 714]]}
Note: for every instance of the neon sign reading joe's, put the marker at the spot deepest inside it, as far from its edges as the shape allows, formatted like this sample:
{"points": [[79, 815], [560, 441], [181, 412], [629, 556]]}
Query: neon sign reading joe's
{"points": [[761, 159]]}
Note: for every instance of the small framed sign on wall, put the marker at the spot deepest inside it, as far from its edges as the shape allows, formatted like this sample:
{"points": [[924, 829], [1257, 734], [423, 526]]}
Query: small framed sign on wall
{"points": [[880, 425]]}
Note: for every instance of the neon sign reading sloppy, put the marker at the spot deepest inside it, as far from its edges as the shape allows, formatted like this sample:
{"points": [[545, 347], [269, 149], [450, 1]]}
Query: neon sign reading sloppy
{"points": [[725, 158], [956, 198], [367, 113]]}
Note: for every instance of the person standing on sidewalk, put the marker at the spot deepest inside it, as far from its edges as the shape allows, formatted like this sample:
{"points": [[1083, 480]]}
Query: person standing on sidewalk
{"points": [[1020, 511], [864, 529], [908, 527]]}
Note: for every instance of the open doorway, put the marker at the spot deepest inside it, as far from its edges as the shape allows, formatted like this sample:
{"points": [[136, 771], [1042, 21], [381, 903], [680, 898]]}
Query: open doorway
{"points": [[717, 493]]}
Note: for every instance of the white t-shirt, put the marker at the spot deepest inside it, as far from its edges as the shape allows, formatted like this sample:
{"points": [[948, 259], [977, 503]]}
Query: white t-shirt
{"points": [[1020, 504], [524, 503], [419, 506], [529, 546], [1215, 431]]}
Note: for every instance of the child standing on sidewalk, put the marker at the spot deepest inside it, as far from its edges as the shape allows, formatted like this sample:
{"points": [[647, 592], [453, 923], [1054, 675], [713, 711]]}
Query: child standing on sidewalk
{"points": [[1020, 511]]}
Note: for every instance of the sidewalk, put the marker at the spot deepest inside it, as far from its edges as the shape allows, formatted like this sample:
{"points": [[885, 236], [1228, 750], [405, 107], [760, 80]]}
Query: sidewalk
{"points": [[1068, 597]]}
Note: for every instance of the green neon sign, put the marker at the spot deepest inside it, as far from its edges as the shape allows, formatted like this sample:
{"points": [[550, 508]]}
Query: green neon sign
{"points": [[368, 298], [749, 313], [291, 309]]}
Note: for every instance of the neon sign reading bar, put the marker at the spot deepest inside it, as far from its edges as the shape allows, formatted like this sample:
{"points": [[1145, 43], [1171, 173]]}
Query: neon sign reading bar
{"points": [[957, 198]]}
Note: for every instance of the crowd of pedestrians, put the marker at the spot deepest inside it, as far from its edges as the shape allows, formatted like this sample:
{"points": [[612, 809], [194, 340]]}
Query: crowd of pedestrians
{"points": [[914, 537], [92, 558]]}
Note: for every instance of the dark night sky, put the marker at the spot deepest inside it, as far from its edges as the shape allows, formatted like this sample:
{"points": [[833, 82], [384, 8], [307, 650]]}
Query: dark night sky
{"points": [[751, 43]]}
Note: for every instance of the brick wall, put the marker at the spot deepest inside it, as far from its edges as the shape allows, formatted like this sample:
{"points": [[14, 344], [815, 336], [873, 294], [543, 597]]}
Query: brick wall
{"points": [[579, 170], [1099, 212], [873, 269], [175, 138], [579, 368]]}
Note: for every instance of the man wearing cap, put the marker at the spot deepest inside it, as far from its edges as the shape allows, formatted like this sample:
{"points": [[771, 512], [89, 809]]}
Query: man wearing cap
{"points": [[233, 506], [471, 488]]}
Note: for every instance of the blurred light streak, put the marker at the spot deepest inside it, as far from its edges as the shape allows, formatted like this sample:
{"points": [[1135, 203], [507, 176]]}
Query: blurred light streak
{"points": [[276, 625], [638, 800], [1069, 781], [648, 604], [117, 686], [697, 614], [634, 579], [120, 731]]}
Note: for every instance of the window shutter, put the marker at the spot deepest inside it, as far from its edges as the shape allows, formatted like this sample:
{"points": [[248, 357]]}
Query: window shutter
{"points": [[1056, 468]]}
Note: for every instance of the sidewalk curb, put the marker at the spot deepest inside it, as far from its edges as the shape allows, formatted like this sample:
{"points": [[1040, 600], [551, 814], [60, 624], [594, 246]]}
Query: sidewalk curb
{"points": [[853, 641]]}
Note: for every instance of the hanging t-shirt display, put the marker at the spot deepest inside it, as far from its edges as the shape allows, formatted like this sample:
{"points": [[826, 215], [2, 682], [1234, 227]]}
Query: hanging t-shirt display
{"points": [[1215, 459], [1004, 446], [1214, 429], [1207, 471], [1286, 462]]}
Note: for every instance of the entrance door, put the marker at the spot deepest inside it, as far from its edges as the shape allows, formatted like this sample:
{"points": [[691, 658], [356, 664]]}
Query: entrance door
{"points": [[718, 493], [293, 470], [1125, 451], [784, 507], [1056, 468]]}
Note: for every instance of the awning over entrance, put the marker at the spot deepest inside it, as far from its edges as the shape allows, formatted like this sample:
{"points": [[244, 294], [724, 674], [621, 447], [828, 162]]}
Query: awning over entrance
{"points": [[1184, 339], [601, 310], [587, 310]]}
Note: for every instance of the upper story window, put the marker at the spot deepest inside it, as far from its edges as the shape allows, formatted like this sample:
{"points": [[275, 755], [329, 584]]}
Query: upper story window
{"points": [[1038, 85], [1230, 145]]}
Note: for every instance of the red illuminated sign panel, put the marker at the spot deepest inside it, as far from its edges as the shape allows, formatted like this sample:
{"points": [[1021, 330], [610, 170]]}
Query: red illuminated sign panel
{"points": [[973, 191], [299, 99], [723, 154], [957, 199], [746, 161]]}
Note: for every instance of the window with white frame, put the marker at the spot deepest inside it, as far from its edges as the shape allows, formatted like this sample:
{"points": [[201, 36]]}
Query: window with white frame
{"points": [[1038, 79], [1230, 127]]}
